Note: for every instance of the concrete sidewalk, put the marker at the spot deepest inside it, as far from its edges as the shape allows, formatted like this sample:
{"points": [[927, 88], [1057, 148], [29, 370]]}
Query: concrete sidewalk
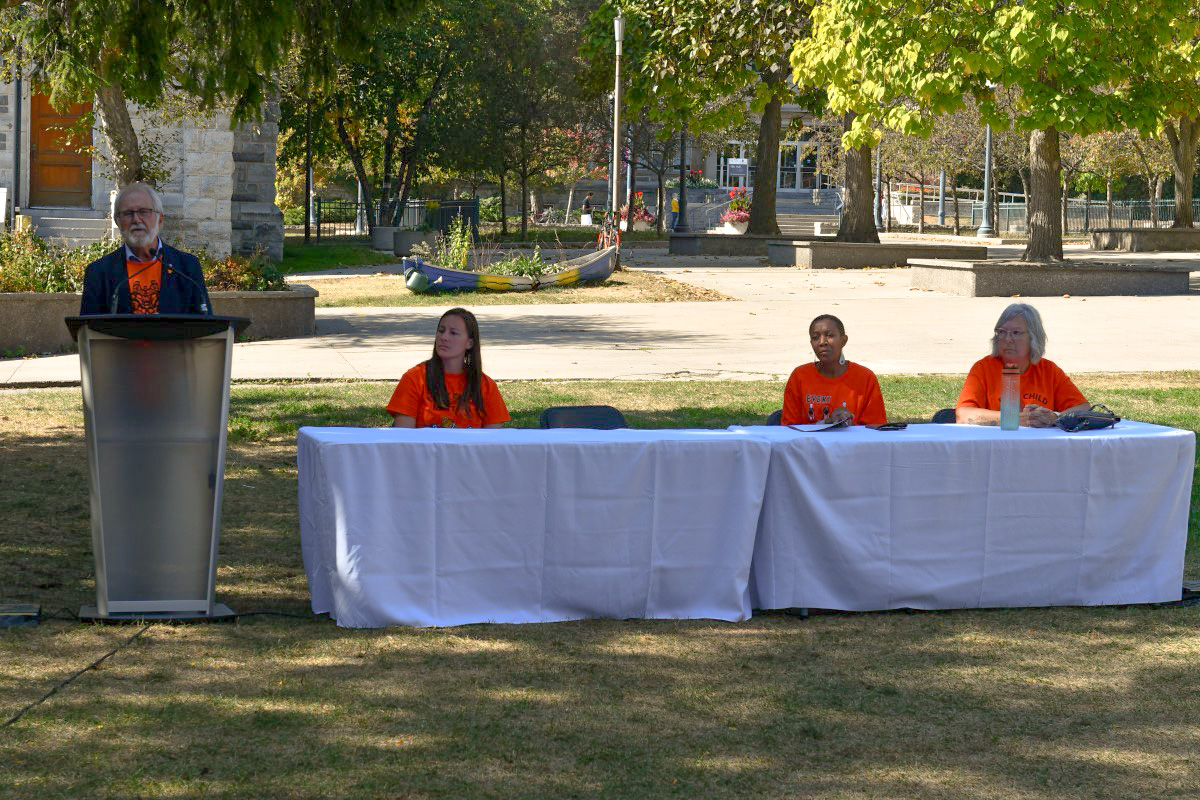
{"points": [[760, 334]]}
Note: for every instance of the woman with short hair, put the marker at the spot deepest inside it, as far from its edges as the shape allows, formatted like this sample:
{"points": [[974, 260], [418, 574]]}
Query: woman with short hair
{"points": [[832, 389], [449, 390], [1046, 391]]}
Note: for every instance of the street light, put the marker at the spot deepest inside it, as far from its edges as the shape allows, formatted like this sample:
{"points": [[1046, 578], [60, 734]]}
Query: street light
{"points": [[615, 177], [681, 223], [985, 227]]}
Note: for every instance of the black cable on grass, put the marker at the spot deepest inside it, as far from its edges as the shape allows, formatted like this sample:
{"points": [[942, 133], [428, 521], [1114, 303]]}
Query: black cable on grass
{"points": [[71, 679]]}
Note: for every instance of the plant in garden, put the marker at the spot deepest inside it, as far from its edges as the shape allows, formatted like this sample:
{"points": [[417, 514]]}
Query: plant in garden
{"points": [[695, 180], [238, 273], [531, 266], [30, 264], [739, 207], [452, 248], [640, 212]]}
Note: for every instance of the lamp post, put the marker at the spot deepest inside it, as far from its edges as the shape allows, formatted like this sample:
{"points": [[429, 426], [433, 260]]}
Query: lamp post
{"points": [[879, 187], [615, 178], [681, 223], [985, 227], [941, 198]]}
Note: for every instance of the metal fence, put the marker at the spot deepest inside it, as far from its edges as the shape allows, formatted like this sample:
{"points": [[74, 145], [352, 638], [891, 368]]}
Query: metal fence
{"points": [[349, 218], [1084, 216]]}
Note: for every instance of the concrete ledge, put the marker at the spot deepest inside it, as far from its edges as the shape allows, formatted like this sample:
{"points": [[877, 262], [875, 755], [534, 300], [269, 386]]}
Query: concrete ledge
{"points": [[720, 244], [854, 255], [32, 322], [1146, 240], [1081, 278]]}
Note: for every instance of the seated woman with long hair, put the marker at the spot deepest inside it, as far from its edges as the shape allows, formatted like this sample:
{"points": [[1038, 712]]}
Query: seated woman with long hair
{"points": [[449, 390], [832, 389]]}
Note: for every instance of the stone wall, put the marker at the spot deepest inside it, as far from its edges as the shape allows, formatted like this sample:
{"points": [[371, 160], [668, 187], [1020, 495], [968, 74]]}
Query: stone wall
{"points": [[255, 219]]}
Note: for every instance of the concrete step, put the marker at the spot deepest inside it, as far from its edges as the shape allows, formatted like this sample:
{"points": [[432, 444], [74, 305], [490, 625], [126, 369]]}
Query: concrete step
{"points": [[72, 231], [803, 224]]}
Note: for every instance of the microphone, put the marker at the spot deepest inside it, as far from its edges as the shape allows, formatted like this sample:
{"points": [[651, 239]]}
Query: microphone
{"points": [[203, 290], [112, 304]]}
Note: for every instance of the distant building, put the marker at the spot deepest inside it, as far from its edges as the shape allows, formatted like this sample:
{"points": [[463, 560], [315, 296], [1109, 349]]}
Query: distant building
{"points": [[220, 195]]}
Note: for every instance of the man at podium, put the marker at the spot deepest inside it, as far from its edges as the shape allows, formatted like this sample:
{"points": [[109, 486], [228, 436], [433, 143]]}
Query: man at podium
{"points": [[144, 275]]}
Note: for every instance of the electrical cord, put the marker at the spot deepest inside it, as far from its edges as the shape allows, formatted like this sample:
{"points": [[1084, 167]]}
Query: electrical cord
{"points": [[65, 683]]}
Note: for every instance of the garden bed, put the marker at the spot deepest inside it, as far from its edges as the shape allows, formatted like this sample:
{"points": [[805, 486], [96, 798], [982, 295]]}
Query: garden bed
{"points": [[33, 321]]}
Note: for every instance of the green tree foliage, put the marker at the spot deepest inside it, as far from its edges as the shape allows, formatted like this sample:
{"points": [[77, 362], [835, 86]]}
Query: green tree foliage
{"points": [[1079, 67], [708, 64], [219, 52]]}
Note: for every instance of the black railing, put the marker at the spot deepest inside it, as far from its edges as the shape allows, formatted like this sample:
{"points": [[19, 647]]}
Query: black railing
{"points": [[349, 218], [339, 218]]}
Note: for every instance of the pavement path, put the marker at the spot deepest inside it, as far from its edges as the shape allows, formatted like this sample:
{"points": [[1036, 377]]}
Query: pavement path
{"points": [[760, 334]]}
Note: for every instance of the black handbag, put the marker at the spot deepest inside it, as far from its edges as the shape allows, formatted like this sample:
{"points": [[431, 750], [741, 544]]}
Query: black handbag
{"points": [[1093, 419]]}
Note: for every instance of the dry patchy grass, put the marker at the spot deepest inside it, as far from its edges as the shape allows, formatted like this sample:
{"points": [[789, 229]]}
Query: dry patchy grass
{"points": [[625, 286]]}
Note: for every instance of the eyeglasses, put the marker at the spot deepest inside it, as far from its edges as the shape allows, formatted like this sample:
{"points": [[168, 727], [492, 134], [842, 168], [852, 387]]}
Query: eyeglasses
{"points": [[142, 213], [1002, 333]]}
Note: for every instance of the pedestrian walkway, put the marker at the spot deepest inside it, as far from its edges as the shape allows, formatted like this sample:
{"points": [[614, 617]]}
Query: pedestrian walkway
{"points": [[760, 334]]}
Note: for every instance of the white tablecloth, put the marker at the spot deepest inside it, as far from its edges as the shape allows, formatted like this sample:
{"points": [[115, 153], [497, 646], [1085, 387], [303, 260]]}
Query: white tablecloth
{"points": [[447, 527], [963, 516]]}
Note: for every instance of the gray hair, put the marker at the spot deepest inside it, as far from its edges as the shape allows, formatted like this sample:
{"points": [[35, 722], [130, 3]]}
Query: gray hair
{"points": [[1033, 321], [155, 197]]}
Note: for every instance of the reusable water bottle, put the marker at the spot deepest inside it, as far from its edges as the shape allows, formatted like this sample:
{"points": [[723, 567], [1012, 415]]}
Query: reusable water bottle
{"points": [[1010, 398]]}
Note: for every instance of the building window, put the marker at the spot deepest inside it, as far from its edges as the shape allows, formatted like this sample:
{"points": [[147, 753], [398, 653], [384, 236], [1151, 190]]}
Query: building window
{"points": [[3, 104], [3, 142]]}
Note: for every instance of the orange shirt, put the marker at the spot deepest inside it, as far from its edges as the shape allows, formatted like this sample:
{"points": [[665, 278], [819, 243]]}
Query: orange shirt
{"points": [[1043, 383], [145, 281], [810, 396], [412, 399]]}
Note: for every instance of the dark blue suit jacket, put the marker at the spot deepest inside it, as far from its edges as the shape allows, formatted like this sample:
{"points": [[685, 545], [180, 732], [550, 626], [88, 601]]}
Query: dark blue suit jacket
{"points": [[178, 295]]}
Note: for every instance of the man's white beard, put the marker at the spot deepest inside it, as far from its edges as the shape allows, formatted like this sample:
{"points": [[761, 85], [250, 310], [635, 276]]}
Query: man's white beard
{"points": [[140, 239]]}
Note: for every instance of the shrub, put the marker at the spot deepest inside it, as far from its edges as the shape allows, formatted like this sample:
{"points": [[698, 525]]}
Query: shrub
{"points": [[490, 209], [532, 266], [241, 274], [30, 264]]}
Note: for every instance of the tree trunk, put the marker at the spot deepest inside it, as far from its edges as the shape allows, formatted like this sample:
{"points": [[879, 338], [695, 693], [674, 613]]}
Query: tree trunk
{"points": [[1182, 134], [570, 201], [1158, 193], [356, 159], [1062, 205], [1045, 232], [503, 203], [119, 134], [957, 227], [858, 216], [921, 205], [766, 175]]}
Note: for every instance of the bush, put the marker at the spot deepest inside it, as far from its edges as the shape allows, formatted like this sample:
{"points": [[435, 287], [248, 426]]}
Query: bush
{"points": [[490, 209], [29, 264], [293, 215], [241, 274]]}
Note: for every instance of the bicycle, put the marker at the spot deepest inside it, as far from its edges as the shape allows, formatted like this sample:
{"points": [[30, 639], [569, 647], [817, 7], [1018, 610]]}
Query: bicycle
{"points": [[610, 235]]}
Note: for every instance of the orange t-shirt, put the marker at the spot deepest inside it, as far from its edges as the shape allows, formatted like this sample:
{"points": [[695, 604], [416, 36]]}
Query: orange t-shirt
{"points": [[810, 396], [412, 399], [145, 281], [1044, 383]]}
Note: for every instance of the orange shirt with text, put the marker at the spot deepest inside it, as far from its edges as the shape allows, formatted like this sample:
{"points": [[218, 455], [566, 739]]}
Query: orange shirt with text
{"points": [[810, 396], [1044, 383], [412, 399]]}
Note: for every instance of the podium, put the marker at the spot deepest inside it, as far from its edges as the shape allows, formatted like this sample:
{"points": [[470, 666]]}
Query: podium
{"points": [[156, 404]]}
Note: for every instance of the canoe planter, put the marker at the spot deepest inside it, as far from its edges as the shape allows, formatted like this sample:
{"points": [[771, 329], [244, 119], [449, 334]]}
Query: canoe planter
{"points": [[423, 278]]}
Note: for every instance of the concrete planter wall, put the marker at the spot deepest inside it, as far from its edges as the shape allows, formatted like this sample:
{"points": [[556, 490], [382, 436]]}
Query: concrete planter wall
{"points": [[403, 241], [32, 322]]}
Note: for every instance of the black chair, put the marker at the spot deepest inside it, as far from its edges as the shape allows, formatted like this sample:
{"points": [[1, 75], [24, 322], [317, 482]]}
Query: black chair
{"points": [[944, 415], [603, 418], [776, 418]]}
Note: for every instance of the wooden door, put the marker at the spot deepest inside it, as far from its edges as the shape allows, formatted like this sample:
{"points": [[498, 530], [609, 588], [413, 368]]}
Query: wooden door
{"points": [[60, 172]]}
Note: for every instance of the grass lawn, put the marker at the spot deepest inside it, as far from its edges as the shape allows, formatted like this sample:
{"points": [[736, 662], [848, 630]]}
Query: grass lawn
{"points": [[1020, 703], [328, 254]]}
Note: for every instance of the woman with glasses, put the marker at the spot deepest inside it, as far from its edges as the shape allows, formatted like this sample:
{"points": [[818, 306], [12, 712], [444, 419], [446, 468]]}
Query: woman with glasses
{"points": [[1046, 391]]}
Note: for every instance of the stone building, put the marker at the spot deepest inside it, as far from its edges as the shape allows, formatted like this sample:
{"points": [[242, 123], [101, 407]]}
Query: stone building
{"points": [[219, 193]]}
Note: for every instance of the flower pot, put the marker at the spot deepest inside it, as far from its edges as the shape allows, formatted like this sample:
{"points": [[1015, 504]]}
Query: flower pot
{"points": [[638, 225], [381, 237], [404, 240], [735, 228]]}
